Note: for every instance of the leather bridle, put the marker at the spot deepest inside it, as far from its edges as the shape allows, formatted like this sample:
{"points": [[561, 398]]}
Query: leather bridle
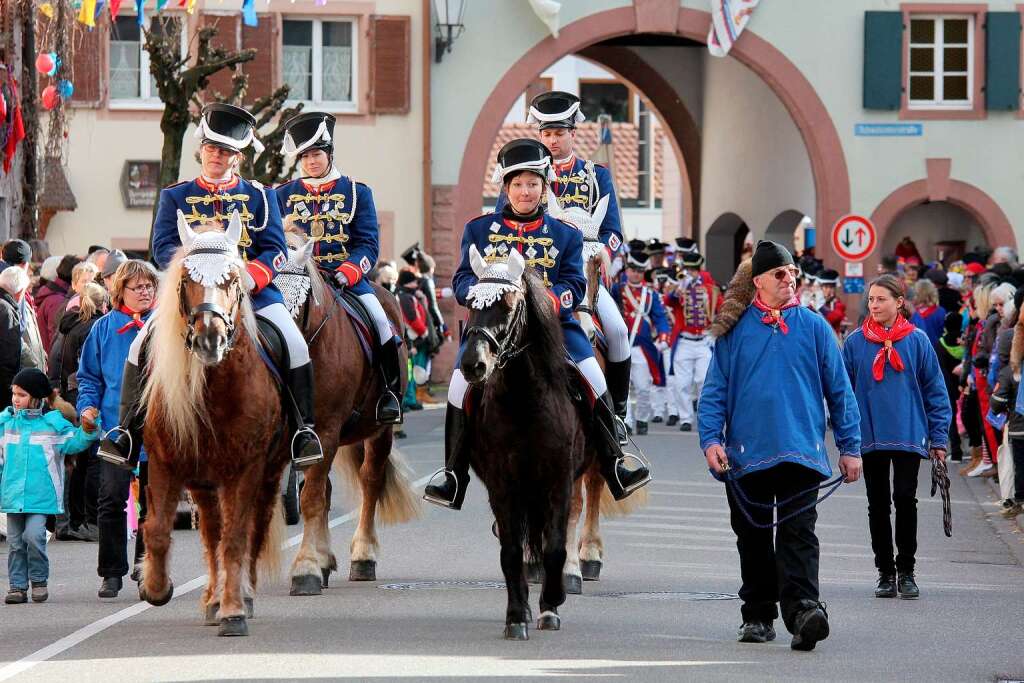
{"points": [[227, 316], [510, 344]]}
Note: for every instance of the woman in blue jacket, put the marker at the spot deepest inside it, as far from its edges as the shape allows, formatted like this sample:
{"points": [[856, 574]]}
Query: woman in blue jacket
{"points": [[905, 414]]}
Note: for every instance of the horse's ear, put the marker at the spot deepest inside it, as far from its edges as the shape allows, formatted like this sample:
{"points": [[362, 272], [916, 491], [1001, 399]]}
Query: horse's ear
{"points": [[601, 210], [553, 207], [516, 265], [186, 234], [235, 227], [303, 255], [476, 261]]}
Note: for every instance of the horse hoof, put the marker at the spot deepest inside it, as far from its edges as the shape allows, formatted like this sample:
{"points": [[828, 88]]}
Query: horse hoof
{"points": [[250, 608], [573, 585], [325, 576], [211, 614], [516, 632], [591, 570], [156, 602], [534, 573], [307, 584], [233, 626], [362, 570], [549, 621]]}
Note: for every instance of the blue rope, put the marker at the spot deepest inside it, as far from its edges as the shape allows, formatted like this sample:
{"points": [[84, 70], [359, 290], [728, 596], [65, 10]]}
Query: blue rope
{"points": [[742, 501]]}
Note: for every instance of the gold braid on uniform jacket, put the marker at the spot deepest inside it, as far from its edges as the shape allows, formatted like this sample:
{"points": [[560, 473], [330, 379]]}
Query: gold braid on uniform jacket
{"points": [[219, 219]]}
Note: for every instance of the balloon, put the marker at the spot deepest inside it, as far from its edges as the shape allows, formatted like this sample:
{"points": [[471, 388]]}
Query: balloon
{"points": [[56, 63], [44, 63], [50, 97], [66, 89], [47, 10]]}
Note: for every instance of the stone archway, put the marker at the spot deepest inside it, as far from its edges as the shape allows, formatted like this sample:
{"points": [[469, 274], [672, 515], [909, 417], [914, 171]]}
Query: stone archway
{"points": [[828, 163], [723, 246], [783, 227]]}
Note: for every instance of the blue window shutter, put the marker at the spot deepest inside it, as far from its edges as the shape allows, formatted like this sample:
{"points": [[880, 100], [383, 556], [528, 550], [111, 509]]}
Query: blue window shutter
{"points": [[883, 60], [1002, 60]]}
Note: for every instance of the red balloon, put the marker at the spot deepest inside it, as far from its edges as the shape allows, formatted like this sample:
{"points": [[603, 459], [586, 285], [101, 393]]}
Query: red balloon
{"points": [[50, 97], [44, 63]]}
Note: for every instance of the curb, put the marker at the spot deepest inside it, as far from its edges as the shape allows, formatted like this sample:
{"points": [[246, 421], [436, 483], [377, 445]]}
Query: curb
{"points": [[1009, 531]]}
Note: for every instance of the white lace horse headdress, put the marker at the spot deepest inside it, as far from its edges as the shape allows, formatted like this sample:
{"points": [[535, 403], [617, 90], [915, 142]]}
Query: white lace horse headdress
{"points": [[294, 280], [589, 224], [494, 280], [210, 256]]}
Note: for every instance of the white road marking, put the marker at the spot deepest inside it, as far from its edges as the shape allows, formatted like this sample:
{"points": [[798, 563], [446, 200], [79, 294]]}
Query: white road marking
{"points": [[88, 631]]}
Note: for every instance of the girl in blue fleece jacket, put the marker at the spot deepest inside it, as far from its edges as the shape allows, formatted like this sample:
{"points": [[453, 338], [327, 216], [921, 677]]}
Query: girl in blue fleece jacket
{"points": [[905, 415]]}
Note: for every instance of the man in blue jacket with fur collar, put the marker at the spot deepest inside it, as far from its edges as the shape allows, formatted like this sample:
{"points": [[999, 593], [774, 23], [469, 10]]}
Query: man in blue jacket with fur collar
{"points": [[762, 414]]}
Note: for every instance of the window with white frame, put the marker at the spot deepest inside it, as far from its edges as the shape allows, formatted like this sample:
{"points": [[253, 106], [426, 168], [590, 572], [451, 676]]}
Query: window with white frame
{"points": [[319, 61], [129, 77], [941, 62]]}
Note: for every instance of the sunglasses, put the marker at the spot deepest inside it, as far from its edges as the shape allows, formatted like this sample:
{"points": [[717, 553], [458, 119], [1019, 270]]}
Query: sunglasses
{"points": [[781, 273]]}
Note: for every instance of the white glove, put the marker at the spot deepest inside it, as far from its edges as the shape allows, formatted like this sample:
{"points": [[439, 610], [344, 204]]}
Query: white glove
{"points": [[341, 278], [661, 346], [446, 293]]}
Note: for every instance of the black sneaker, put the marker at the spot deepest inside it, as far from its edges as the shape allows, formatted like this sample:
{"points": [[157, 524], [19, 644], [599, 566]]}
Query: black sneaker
{"points": [[756, 632], [907, 587], [809, 626], [110, 587], [686, 427], [886, 586], [657, 419], [673, 420]]}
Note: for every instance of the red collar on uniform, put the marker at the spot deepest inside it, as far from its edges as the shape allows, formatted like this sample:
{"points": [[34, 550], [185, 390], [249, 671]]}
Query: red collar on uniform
{"points": [[319, 189], [524, 227], [217, 187], [562, 168]]}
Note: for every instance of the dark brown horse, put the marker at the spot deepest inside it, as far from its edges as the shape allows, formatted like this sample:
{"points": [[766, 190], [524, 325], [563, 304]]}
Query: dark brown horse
{"points": [[526, 439]]}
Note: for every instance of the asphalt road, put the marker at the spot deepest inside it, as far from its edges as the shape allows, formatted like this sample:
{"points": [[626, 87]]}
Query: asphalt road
{"points": [[665, 608]]}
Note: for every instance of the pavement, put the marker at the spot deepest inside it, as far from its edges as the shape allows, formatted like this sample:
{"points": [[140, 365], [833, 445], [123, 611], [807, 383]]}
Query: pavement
{"points": [[665, 608]]}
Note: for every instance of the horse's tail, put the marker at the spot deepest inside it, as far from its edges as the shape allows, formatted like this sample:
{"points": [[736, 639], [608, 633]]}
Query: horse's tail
{"points": [[269, 561], [620, 508], [398, 503]]}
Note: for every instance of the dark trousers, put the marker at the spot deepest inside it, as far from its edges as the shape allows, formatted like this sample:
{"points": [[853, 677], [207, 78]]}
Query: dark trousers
{"points": [[112, 519], [1017, 445], [956, 451], [83, 489], [780, 565], [904, 467], [971, 417]]}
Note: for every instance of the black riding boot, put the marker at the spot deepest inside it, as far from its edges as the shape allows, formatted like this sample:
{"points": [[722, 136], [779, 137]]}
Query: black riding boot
{"points": [[617, 376], [306, 449], [621, 480], [122, 445], [389, 407], [452, 490]]}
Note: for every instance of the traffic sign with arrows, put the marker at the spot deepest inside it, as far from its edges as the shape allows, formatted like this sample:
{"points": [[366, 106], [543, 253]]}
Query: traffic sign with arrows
{"points": [[854, 238]]}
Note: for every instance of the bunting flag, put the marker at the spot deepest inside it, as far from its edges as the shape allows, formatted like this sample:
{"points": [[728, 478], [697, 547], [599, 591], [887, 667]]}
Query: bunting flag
{"points": [[160, 4], [249, 13], [140, 12], [87, 15], [728, 19], [115, 7], [99, 10], [191, 7]]}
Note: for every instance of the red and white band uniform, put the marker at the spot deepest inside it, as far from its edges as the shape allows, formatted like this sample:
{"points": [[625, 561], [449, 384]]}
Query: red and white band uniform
{"points": [[693, 304]]}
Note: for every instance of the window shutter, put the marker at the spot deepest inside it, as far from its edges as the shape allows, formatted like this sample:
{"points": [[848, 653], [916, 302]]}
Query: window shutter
{"points": [[883, 60], [86, 64], [390, 44], [226, 39], [260, 70], [1002, 60]]}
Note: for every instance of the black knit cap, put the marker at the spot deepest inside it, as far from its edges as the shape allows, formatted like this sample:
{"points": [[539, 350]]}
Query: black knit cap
{"points": [[34, 382], [769, 255], [17, 252]]}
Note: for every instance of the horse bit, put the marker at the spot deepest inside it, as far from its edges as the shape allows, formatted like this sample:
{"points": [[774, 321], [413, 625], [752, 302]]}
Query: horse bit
{"points": [[505, 348]]}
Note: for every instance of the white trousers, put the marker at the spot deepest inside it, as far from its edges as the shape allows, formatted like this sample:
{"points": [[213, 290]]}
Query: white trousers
{"points": [[458, 385], [380, 318], [614, 326], [690, 364], [642, 383], [277, 314]]}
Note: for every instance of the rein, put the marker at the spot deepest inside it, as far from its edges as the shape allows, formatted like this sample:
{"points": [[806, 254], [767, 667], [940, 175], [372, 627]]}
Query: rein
{"points": [[509, 346], [742, 501]]}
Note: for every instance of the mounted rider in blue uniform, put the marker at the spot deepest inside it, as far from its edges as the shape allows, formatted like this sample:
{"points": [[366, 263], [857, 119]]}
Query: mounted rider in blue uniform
{"points": [[555, 250], [338, 215], [583, 183], [210, 199]]}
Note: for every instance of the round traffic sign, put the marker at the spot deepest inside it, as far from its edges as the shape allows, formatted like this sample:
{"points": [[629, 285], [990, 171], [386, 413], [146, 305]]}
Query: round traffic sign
{"points": [[854, 238]]}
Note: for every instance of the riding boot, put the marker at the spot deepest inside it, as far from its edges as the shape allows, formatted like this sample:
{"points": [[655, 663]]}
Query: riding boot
{"points": [[617, 376], [452, 490], [306, 449], [389, 407], [122, 445], [621, 480]]}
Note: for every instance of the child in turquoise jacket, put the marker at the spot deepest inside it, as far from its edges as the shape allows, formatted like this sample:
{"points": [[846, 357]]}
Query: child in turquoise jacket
{"points": [[34, 442]]}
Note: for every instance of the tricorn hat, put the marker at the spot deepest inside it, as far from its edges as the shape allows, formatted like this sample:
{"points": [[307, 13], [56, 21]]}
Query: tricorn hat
{"points": [[555, 109], [636, 245], [229, 127], [523, 154], [690, 259], [655, 246], [827, 277], [638, 260], [310, 130], [685, 244]]}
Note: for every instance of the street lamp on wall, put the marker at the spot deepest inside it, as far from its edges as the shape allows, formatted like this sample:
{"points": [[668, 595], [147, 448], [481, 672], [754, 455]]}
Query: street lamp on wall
{"points": [[449, 25]]}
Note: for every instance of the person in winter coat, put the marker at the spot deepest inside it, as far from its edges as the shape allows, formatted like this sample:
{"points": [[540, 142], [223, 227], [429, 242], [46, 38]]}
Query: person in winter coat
{"points": [[1005, 401], [951, 357], [928, 315], [417, 328], [895, 372], [12, 281], [51, 297], [31, 478]]}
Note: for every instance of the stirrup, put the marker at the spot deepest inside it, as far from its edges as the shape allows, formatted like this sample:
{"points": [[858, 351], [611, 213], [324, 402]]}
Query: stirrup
{"points": [[450, 504], [302, 462], [621, 432], [112, 457], [643, 462], [401, 413]]}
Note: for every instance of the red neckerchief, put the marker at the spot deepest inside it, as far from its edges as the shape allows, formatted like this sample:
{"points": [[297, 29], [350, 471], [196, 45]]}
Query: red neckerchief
{"points": [[773, 316], [877, 334], [136, 321], [927, 310]]}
